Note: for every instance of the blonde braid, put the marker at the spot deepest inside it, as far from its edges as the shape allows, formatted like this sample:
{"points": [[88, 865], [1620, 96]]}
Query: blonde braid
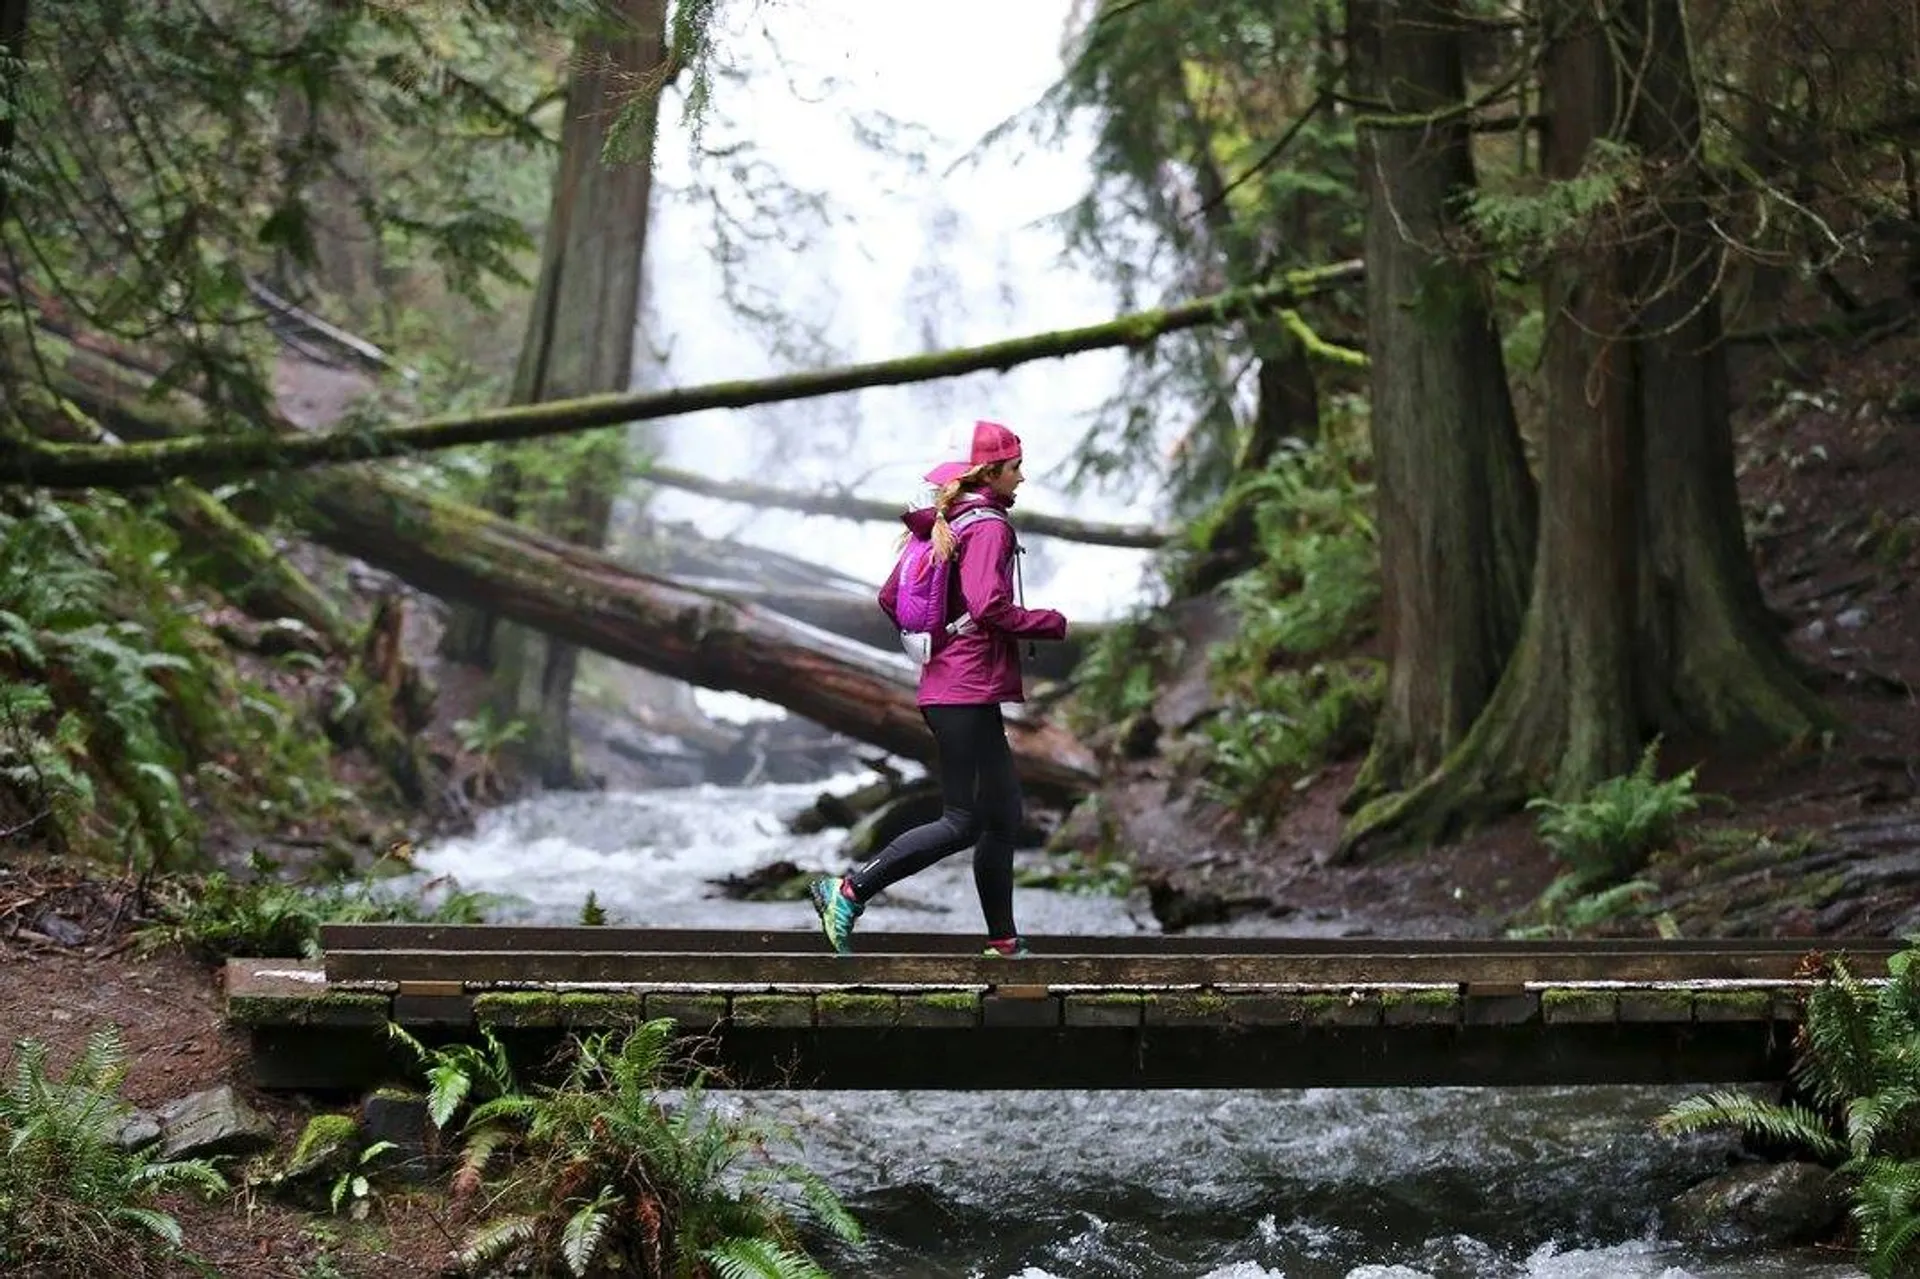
{"points": [[944, 542]]}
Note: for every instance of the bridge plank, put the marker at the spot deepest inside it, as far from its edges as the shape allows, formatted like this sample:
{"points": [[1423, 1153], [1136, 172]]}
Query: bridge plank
{"points": [[563, 937], [1473, 966]]}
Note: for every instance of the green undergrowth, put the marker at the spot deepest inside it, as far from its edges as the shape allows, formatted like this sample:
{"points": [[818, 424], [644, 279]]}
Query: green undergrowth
{"points": [[126, 729], [1294, 693], [73, 1199], [264, 914], [624, 1166], [1608, 839], [1119, 675], [1855, 1106]]}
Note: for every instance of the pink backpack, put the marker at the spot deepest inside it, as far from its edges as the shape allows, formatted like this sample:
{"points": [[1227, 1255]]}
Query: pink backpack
{"points": [[921, 607]]}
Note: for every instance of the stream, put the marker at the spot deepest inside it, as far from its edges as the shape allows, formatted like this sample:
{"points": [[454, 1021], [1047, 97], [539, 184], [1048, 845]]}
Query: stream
{"points": [[1442, 1183]]}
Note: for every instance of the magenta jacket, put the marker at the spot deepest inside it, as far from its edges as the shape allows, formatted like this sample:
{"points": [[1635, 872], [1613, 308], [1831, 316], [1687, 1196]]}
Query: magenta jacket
{"points": [[983, 666]]}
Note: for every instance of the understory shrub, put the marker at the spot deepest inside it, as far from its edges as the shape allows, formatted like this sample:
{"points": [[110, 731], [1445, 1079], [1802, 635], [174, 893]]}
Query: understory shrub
{"points": [[618, 1170], [1858, 1079], [72, 1201], [122, 719], [219, 915], [1291, 703], [1610, 832]]}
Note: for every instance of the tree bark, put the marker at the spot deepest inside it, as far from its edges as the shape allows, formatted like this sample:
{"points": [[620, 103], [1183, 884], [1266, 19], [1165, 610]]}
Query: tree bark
{"points": [[1646, 612], [1456, 506], [579, 341], [1711, 659], [207, 457]]}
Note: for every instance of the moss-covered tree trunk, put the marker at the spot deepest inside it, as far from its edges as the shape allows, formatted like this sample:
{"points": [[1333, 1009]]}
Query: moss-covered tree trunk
{"points": [[1456, 505], [1646, 613], [580, 340]]}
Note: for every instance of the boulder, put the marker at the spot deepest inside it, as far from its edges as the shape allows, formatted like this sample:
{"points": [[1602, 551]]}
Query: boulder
{"points": [[1759, 1205], [211, 1123]]}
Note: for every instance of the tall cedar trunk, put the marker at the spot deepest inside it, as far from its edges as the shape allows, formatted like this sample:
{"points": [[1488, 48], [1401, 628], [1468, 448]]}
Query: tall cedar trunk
{"points": [[579, 341], [1456, 505], [1711, 660], [1646, 613], [13, 48]]}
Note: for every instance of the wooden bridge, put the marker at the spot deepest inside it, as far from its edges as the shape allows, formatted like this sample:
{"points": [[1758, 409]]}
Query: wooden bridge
{"points": [[923, 1010]]}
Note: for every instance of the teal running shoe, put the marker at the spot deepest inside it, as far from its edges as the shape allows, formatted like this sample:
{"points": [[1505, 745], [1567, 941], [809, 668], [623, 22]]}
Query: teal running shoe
{"points": [[837, 912], [1006, 948]]}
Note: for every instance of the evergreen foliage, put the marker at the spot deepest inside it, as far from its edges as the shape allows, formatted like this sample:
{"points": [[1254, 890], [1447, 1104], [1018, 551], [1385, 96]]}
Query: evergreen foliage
{"points": [[1293, 697], [73, 1202], [618, 1170], [1220, 156], [122, 718]]}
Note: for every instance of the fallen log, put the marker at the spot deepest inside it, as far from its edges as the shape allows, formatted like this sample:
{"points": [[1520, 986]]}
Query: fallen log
{"points": [[584, 597], [849, 506]]}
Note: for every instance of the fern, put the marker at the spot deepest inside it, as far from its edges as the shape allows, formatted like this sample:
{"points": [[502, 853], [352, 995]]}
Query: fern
{"points": [[676, 1184], [70, 1199], [580, 1238], [761, 1259], [1609, 832], [1794, 1125]]}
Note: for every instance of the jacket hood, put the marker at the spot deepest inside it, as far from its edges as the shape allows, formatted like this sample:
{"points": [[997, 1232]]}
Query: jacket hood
{"points": [[919, 521]]}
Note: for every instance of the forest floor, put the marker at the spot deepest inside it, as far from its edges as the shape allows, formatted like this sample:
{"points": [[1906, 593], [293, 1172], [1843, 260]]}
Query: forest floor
{"points": [[1822, 842]]}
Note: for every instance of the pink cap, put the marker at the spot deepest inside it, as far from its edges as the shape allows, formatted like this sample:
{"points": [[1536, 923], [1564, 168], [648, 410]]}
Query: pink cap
{"points": [[992, 442]]}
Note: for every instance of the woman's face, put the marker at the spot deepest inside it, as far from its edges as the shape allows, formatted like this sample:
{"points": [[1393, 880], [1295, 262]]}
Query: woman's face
{"points": [[1008, 479]]}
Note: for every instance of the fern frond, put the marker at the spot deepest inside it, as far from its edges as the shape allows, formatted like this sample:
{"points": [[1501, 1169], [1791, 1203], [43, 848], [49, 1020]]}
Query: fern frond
{"points": [[580, 1237], [152, 1221], [497, 1239], [750, 1258], [1748, 1114]]}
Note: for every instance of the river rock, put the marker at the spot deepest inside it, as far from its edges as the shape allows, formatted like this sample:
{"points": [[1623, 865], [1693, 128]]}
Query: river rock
{"points": [[1758, 1205], [210, 1123]]}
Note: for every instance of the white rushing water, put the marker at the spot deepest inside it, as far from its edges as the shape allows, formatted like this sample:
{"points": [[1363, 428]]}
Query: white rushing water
{"points": [[1411, 1184]]}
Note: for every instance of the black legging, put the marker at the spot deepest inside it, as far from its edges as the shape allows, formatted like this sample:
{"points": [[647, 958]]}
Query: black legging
{"points": [[980, 799]]}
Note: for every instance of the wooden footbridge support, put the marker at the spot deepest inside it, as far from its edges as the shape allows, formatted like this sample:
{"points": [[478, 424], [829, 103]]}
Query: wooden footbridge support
{"points": [[773, 1009]]}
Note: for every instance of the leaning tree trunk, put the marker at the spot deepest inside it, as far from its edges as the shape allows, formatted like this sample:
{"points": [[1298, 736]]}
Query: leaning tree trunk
{"points": [[1456, 505], [580, 340], [1646, 612]]}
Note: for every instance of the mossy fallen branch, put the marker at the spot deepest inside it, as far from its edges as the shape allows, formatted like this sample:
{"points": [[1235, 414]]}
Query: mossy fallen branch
{"points": [[205, 457]]}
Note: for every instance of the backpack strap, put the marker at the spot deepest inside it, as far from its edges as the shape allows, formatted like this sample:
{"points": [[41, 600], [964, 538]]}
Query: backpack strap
{"points": [[974, 515]]}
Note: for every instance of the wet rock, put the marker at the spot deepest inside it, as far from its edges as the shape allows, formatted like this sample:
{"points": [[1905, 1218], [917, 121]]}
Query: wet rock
{"points": [[214, 1122], [1758, 1205], [1178, 908], [843, 811], [112, 1121], [781, 881], [667, 758], [1084, 831], [402, 1118]]}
